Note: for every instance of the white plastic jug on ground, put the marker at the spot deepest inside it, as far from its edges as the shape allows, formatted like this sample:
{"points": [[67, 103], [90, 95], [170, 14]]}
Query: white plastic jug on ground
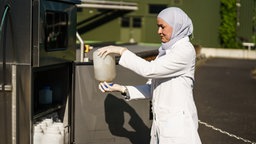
{"points": [[38, 135]]}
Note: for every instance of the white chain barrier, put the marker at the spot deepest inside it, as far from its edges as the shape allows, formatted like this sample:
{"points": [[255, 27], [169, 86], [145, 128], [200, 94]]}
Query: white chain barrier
{"points": [[225, 132]]}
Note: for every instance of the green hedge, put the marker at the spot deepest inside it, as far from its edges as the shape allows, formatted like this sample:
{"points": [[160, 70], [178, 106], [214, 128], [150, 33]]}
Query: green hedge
{"points": [[254, 24], [227, 29]]}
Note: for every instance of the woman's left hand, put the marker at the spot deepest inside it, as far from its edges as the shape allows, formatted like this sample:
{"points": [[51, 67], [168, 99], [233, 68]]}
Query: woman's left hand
{"points": [[104, 51], [106, 87]]}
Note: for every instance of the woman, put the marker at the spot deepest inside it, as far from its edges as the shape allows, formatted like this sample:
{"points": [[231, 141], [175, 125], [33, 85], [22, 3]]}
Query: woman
{"points": [[171, 78]]}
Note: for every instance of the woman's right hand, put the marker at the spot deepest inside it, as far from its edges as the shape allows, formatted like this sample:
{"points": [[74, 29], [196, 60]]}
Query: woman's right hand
{"points": [[106, 87], [104, 51]]}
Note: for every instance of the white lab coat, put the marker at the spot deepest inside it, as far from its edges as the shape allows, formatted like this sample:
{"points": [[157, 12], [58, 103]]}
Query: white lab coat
{"points": [[170, 86]]}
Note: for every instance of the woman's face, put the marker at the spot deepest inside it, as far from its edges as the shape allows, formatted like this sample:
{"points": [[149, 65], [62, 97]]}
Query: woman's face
{"points": [[164, 30]]}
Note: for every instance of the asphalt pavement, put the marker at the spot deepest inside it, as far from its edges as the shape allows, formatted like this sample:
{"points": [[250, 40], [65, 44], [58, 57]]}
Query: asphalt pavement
{"points": [[225, 95]]}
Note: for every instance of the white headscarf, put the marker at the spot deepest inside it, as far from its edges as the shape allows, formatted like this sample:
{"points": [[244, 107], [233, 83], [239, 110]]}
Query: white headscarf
{"points": [[181, 24]]}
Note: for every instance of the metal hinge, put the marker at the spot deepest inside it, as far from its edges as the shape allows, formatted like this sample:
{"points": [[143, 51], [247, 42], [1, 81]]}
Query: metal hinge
{"points": [[6, 88]]}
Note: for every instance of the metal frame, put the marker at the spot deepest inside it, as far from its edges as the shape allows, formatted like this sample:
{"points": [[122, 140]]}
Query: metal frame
{"points": [[108, 5]]}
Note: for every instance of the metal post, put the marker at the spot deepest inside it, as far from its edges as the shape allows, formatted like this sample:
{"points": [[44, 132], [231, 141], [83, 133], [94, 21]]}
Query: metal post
{"points": [[14, 113], [81, 47]]}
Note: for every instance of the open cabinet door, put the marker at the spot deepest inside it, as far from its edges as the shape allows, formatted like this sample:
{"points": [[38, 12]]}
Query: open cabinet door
{"points": [[5, 89]]}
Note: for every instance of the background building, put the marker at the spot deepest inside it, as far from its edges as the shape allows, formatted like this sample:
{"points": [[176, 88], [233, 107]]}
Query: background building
{"points": [[140, 25]]}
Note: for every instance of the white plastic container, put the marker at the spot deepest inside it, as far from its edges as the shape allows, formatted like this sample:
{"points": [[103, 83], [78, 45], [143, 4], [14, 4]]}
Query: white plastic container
{"points": [[38, 135], [45, 95], [48, 121], [52, 136], [60, 127], [104, 68], [43, 126]]}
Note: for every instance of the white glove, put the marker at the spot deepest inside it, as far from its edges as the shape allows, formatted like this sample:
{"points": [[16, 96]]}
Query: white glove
{"points": [[104, 51], [106, 87]]}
